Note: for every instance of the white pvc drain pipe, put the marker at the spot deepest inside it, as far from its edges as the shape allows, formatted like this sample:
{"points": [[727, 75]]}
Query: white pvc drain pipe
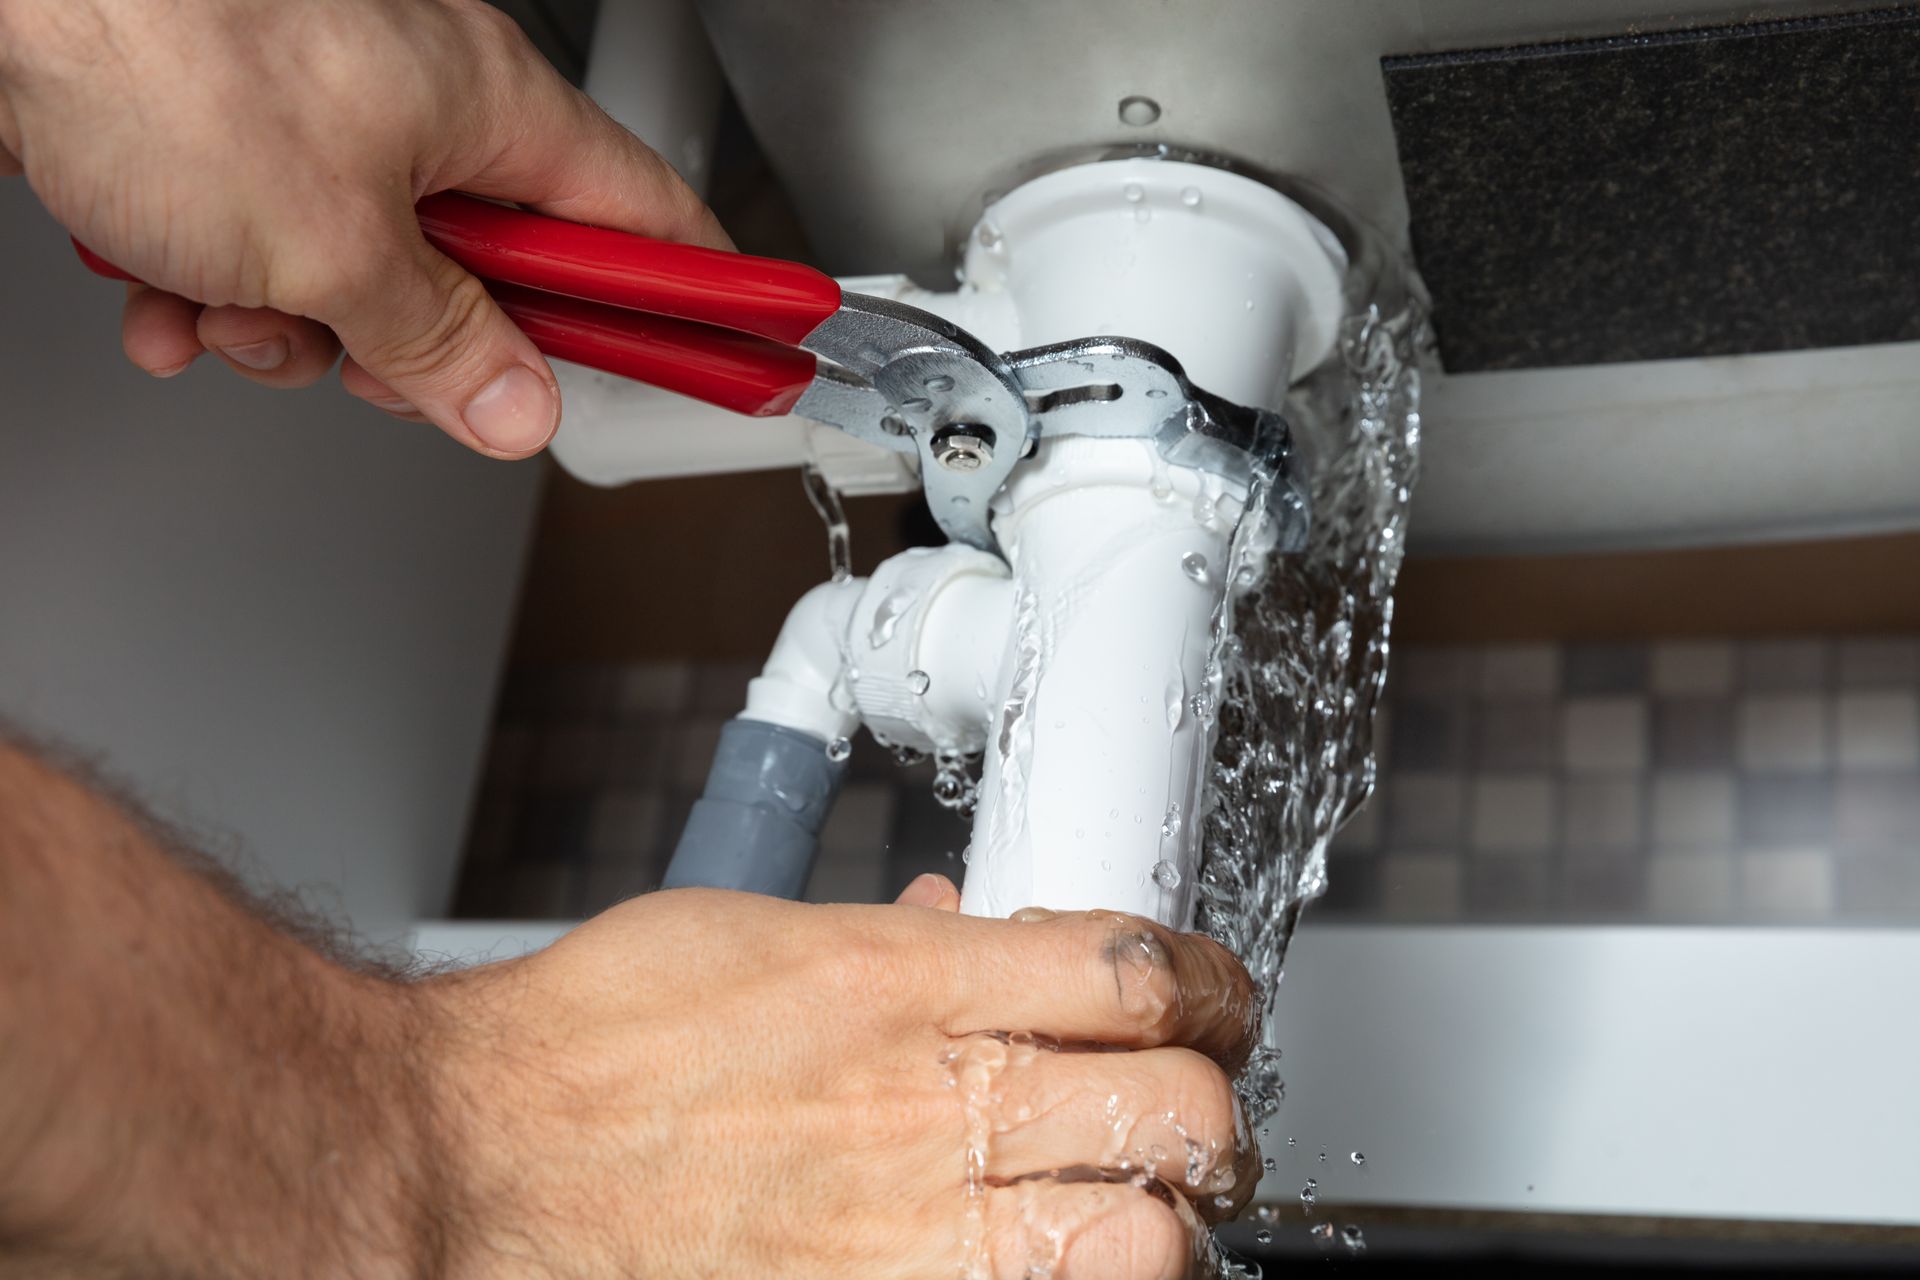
{"points": [[1079, 666]]}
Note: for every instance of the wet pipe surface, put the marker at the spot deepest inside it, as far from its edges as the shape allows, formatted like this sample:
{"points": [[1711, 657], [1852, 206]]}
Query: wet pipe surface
{"points": [[1715, 191]]}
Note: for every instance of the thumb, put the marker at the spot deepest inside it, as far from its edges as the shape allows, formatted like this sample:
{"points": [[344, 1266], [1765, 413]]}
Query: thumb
{"points": [[430, 341]]}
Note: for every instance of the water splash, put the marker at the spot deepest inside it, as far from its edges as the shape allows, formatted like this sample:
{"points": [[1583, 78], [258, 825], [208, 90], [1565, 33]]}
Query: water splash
{"points": [[826, 500], [1293, 751], [1300, 658]]}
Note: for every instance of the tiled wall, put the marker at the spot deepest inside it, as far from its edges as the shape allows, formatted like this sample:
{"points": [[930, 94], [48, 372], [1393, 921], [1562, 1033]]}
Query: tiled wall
{"points": [[1688, 782]]}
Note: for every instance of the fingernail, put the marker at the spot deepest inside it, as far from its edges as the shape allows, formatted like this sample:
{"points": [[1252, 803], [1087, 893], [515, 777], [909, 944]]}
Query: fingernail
{"points": [[514, 413], [172, 369], [268, 353], [395, 404]]}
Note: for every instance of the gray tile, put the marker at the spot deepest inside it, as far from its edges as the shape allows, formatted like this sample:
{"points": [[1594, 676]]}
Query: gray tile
{"points": [[1433, 672], [1426, 810], [1516, 733], [608, 882], [1786, 884], [694, 744], [1785, 810], [1604, 734], [1604, 668], [519, 891], [538, 891], [861, 821], [1430, 733], [575, 692], [1600, 886], [1878, 814], [573, 757], [625, 826], [1353, 888], [640, 754], [926, 837], [721, 686], [1778, 733], [1506, 887], [1878, 729], [553, 827], [1519, 671], [1692, 668], [1603, 813], [652, 688], [1785, 664], [490, 832], [1513, 813], [1362, 831], [1879, 887], [1868, 662], [1693, 811], [1692, 733], [1417, 886], [1693, 888]]}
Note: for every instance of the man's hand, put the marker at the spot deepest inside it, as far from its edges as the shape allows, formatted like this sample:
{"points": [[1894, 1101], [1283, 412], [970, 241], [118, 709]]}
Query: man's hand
{"points": [[700, 1083], [258, 163], [693, 1084]]}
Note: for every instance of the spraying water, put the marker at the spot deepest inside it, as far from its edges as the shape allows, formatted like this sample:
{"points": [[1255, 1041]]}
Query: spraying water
{"points": [[1301, 657]]}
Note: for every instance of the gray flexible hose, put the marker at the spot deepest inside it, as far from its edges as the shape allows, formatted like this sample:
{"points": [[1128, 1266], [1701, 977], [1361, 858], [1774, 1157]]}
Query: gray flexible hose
{"points": [[757, 825]]}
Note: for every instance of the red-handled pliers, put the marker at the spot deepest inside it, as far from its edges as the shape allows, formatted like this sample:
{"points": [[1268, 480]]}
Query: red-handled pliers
{"points": [[743, 333]]}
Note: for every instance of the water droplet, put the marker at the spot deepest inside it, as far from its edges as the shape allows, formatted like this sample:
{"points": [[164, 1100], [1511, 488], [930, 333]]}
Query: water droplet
{"points": [[1322, 1231], [1134, 192], [1357, 1159], [988, 235], [886, 618], [1249, 304], [920, 404], [1166, 875], [1190, 197], [1138, 111], [1143, 214], [1263, 1236], [1156, 393], [1194, 565], [1170, 825], [1269, 1164], [839, 749], [939, 382], [1289, 1141], [1106, 864], [1079, 833], [919, 681], [966, 855], [1351, 1237], [1309, 1194], [1323, 1157]]}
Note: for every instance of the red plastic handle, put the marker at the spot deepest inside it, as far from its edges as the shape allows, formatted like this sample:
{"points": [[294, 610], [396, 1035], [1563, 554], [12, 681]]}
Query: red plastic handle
{"points": [[733, 370], [770, 297], [724, 367]]}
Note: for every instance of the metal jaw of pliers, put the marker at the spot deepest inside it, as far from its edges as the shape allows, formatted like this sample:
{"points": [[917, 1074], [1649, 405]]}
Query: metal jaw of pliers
{"points": [[911, 382], [750, 334]]}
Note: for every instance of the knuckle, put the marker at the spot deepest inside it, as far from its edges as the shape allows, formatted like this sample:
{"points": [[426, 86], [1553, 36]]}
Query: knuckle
{"points": [[1136, 960], [1202, 1096], [864, 967], [1154, 1244], [441, 338]]}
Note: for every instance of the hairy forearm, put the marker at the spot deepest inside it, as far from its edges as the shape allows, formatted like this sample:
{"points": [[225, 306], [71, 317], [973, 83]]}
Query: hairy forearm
{"points": [[184, 1089]]}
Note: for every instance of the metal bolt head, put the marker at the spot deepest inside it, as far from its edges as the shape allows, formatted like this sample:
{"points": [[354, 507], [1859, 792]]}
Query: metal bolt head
{"points": [[963, 449]]}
